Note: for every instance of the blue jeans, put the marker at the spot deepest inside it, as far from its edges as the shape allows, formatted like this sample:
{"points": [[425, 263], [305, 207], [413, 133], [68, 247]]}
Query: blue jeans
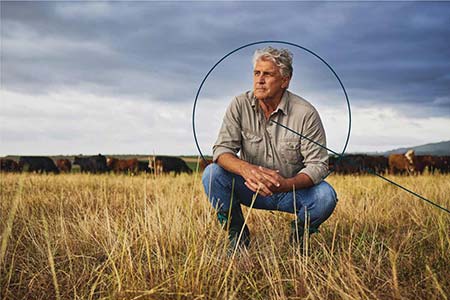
{"points": [[317, 201]]}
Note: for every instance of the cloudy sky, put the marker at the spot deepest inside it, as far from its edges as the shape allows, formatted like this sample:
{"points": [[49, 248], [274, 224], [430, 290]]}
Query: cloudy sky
{"points": [[121, 77]]}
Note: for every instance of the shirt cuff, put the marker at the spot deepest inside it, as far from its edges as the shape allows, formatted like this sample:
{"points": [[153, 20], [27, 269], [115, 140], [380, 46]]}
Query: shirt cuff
{"points": [[316, 173], [221, 150]]}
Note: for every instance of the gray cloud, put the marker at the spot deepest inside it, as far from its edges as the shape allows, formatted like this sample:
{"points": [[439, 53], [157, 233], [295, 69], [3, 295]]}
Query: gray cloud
{"points": [[384, 52], [388, 53]]}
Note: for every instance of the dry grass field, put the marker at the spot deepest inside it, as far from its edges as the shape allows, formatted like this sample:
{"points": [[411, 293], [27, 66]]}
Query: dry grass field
{"points": [[80, 236]]}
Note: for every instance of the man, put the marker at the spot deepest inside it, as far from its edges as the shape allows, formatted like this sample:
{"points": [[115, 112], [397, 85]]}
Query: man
{"points": [[282, 168]]}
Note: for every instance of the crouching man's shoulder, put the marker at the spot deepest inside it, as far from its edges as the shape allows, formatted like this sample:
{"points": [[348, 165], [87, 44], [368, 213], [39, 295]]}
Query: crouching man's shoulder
{"points": [[245, 98], [241, 103]]}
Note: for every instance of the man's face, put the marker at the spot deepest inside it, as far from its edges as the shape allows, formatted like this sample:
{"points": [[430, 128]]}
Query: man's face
{"points": [[267, 80]]}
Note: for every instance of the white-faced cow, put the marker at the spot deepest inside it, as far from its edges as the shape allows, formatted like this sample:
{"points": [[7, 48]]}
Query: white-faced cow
{"points": [[402, 163]]}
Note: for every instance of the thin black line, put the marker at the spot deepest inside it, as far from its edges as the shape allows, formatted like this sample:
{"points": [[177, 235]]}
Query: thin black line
{"points": [[369, 170], [409, 191], [301, 135]]}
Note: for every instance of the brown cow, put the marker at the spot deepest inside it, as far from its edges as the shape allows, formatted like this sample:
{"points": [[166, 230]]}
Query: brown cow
{"points": [[112, 164], [9, 165], [402, 163], [130, 166], [156, 165], [64, 165]]}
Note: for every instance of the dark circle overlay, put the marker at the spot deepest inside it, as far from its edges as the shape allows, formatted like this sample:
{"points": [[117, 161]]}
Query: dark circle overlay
{"points": [[275, 42]]}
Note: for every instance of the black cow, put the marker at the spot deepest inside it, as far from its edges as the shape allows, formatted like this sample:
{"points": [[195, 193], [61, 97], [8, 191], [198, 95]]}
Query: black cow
{"points": [[9, 165], [375, 163], [38, 164], [167, 164], [424, 162], [348, 164], [443, 164], [91, 164], [143, 167]]}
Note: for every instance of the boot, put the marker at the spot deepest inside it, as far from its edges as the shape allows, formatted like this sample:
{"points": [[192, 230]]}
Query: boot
{"points": [[233, 223]]}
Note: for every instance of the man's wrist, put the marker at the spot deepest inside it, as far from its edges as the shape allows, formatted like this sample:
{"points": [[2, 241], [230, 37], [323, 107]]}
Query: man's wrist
{"points": [[288, 185], [232, 163], [297, 182], [242, 166]]}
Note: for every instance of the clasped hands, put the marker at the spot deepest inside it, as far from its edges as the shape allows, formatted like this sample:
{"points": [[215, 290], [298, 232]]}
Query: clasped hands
{"points": [[263, 180]]}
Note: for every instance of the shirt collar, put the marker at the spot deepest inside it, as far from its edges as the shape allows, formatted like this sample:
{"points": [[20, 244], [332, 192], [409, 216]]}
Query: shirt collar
{"points": [[283, 106], [253, 100]]}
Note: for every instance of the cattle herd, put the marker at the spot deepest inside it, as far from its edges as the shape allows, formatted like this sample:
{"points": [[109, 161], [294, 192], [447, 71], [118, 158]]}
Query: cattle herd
{"points": [[95, 164], [403, 164]]}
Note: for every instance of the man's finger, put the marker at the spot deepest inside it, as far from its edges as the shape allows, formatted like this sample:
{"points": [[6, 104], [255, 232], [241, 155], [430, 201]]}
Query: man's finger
{"points": [[270, 176], [264, 189], [268, 171], [258, 176], [253, 181], [268, 181], [259, 188], [254, 187], [272, 180], [250, 186]]}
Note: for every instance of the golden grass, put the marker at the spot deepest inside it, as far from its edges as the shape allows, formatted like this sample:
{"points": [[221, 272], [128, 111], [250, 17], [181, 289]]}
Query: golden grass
{"points": [[144, 237]]}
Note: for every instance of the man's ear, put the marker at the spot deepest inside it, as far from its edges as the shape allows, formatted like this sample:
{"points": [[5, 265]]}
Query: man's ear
{"points": [[285, 82]]}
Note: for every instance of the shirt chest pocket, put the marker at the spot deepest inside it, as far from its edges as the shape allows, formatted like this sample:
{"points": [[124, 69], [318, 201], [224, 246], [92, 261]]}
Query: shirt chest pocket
{"points": [[290, 151], [251, 143]]}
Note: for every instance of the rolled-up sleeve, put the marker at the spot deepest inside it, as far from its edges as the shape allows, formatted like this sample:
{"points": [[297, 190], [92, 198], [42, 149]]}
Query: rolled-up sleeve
{"points": [[229, 139], [315, 156]]}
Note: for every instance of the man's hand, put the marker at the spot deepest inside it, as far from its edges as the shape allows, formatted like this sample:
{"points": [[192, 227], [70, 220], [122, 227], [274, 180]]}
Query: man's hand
{"points": [[262, 180]]}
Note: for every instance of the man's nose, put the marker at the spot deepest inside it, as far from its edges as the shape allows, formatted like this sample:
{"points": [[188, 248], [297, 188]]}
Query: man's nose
{"points": [[260, 79]]}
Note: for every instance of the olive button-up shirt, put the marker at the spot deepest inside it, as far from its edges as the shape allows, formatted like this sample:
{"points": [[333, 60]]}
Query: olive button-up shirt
{"points": [[245, 130]]}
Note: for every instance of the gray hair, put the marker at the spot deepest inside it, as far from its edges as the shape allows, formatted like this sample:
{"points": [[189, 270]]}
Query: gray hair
{"points": [[281, 57]]}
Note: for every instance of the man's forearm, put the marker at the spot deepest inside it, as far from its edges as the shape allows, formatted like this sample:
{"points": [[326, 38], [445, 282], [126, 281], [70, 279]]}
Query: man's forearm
{"points": [[299, 181], [231, 163]]}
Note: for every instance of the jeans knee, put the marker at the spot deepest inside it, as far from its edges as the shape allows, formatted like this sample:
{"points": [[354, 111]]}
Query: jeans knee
{"points": [[328, 201], [328, 194], [211, 173], [206, 174], [217, 183], [324, 198]]}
